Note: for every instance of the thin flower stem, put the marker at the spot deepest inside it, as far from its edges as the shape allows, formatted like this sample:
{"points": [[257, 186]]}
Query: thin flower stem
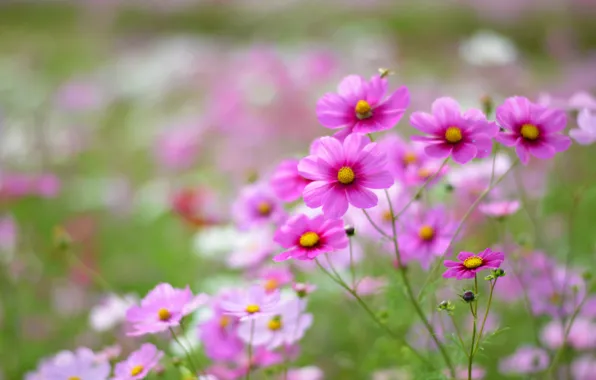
{"points": [[410, 292], [433, 272], [352, 269], [474, 310], [252, 332], [379, 230], [459, 335], [186, 352], [420, 190], [490, 298], [372, 315]]}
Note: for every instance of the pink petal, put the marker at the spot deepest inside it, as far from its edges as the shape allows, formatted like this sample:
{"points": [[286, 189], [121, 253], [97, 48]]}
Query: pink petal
{"points": [[352, 88], [286, 255], [333, 112], [586, 121], [335, 203], [549, 119], [507, 139], [315, 192], [542, 150], [474, 114], [464, 255], [582, 137], [331, 150], [446, 111], [378, 180], [354, 144], [484, 144], [309, 168], [424, 122], [361, 197], [392, 109], [522, 153], [376, 89], [559, 142], [440, 150], [513, 111], [462, 153]]}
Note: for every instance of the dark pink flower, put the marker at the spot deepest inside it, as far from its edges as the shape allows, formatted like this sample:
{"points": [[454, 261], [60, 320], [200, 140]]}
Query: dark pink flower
{"points": [[532, 129], [286, 182], [359, 106], [257, 205], [461, 136], [470, 263], [343, 173], [307, 238]]}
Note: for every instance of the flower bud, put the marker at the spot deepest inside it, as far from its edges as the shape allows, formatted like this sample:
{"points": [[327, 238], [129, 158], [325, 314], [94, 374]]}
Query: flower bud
{"points": [[350, 230], [468, 296]]}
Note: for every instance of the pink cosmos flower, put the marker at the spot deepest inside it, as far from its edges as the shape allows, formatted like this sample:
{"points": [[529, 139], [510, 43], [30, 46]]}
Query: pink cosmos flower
{"points": [[367, 286], [250, 303], [303, 289], [274, 278], [343, 173], [425, 235], [257, 205], [306, 238], [525, 360], [162, 308], [286, 182], [177, 148], [461, 373], [586, 133], [285, 326], [462, 136], [359, 107], [582, 334], [556, 292], [80, 364], [499, 209], [108, 353], [138, 364], [584, 368], [531, 128], [219, 337], [401, 156], [470, 263]]}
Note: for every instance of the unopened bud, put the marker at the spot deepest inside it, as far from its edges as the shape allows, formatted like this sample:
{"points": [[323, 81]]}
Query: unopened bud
{"points": [[350, 230], [62, 239], [468, 296]]}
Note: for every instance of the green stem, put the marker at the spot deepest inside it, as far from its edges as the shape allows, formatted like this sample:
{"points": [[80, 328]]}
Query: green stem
{"points": [[352, 269], [186, 352], [379, 230], [252, 331], [490, 298], [474, 310]]}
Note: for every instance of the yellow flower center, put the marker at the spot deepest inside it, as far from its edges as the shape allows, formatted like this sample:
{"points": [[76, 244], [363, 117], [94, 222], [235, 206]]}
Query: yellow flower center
{"points": [[409, 158], [309, 239], [363, 110], [424, 173], [555, 298], [252, 308], [271, 284], [74, 378], [264, 208], [275, 323], [529, 132], [387, 216], [224, 321], [426, 232], [346, 175], [473, 262], [453, 135], [163, 314], [136, 370]]}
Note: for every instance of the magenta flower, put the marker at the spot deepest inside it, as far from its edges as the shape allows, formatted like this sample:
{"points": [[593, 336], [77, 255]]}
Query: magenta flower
{"points": [[525, 360], [343, 173], [138, 364], [286, 182], [402, 156], [162, 308], [219, 337], [307, 238], [257, 205], [499, 209], [425, 236], [81, 364], [586, 133], [249, 303], [531, 128], [461, 136], [470, 263], [359, 107], [285, 326]]}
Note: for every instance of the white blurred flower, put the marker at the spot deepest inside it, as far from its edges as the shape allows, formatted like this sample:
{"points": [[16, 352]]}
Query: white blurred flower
{"points": [[110, 312], [487, 48]]}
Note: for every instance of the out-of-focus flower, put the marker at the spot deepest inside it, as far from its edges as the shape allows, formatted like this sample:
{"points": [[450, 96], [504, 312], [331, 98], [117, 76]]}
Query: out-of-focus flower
{"points": [[586, 133], [499, 209], [108, 353], [286, 325], [487, 48], [306, 238], [138, 364], [219, 336], [178, 148], [80, 364], [343, 174], [257, 205], [196, 205], [532, 129], [359, 106], [582, 334], [111, 311], [525, 360], [250, 303], [251, 248], [401, 155], [584, 368], [470, 263], [286, 181], [367, 286], [8, 235], [302, 290], [426, 235], [556, 292], [306, 373], [79, 95], [162, 308], [461, 136], [274, 278], [578, 101]]}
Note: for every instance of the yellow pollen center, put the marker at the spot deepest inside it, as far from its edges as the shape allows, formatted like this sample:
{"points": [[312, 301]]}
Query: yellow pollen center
{"points": [[426, 233], [387, 216], [251, 309], [224, 321], [74, 378], [424, 173], [271, 285], [163, 314], [529, 132], [264, 208], [555, 298], [363, 110], [136, 370], [346, 175], [309, 239], [409, 158], [473, 262], [275, 324], [453, 135]]}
